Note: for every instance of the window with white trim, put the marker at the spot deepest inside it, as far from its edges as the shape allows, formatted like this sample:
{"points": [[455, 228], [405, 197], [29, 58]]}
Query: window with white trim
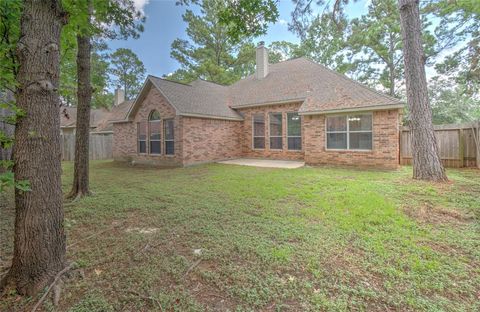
{"points": [[258, 131], [168, 134], [142, 137], [350, 132], [294, 132], [275, 120], [154, 125]]}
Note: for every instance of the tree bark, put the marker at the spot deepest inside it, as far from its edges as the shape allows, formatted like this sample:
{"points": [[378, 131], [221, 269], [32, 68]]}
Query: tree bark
{"points": [[427, 164], [39, 237], [80, 185]]}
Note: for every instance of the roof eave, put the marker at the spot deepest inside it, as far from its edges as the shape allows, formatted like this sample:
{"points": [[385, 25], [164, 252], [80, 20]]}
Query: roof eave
{"points": [[121, 121], [354, 109], [210, 116], [301, 99], [102, 132]]}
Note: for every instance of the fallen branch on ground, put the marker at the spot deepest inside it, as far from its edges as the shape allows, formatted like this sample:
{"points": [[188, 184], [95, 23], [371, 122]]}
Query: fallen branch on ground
{"points": [[96, 234], [57, 277], [195, 264], [154, 300]]}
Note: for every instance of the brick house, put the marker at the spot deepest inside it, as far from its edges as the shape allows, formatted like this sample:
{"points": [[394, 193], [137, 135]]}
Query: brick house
{"points": [[293, 110], [100, 118]]}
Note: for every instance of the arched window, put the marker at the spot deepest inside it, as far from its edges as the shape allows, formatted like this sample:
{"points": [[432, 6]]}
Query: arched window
{"points": [[154, 126], [154, 116]]}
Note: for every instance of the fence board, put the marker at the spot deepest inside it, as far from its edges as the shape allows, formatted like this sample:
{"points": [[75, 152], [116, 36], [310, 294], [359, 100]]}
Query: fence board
{"points": [[456, 145], [100, 146]]}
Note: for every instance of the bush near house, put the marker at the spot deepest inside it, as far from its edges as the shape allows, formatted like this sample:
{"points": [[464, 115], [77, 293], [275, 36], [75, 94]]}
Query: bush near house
{"points": [[222, 237]]}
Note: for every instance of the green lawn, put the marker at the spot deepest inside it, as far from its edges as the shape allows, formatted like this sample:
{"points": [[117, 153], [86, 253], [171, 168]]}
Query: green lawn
{"points": [[309, 239]]}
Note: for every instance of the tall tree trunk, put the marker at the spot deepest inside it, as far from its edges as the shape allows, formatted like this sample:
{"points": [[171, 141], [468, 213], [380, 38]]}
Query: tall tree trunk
{"points": [[391, 65], [127, 95], [39, 242], [392, 79], [80, 185], [426, 159]]}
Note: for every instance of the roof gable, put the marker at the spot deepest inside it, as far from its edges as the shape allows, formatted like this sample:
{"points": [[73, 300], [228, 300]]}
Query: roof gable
{"points": [[200, 98]]}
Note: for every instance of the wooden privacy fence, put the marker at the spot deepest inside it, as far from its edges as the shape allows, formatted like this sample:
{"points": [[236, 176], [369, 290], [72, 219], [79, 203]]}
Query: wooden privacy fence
{"points": [[100, 146], [457, 144]]}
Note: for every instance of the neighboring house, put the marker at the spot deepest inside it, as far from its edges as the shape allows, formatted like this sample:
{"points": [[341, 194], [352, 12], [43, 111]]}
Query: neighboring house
{"points": [[293, 110], [100, 119]]}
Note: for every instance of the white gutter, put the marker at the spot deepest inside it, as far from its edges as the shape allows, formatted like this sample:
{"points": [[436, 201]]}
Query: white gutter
{"points": [[209, 116], [356, 109]]}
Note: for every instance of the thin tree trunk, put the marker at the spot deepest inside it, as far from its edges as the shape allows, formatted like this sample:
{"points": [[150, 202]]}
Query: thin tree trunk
{"points": [[80, 185], [426, 159], [39, 239], [392, 80], [127, 95], [391, 66]]}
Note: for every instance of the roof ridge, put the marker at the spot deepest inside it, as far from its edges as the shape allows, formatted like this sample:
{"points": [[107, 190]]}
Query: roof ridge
{"points": [[270, 64], [168, 80], [345, 77], [212, 82]]}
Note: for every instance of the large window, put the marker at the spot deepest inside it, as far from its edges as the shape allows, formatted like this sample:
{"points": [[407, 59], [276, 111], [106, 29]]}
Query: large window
{"points": [[169, 135], [259, 131], [353, 132], [276, 131], [154, 123], [142, 137], [294, 132]]}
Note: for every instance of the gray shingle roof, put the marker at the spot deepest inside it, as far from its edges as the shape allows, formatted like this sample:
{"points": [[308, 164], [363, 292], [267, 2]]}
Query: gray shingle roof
{"points": [[320, 88], [117, 113], [101, 119], [68, 116], [317, 87], [197, 98]]}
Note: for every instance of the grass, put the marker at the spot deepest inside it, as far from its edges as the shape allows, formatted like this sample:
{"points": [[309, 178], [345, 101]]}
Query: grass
{"points": [[309, 239]]}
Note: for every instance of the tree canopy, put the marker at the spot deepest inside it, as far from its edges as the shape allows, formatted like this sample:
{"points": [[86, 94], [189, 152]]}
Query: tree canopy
{"points": [[128, 71]]}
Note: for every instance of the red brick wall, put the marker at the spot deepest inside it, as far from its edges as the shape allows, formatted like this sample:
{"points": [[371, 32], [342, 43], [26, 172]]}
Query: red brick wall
{"points": [[385, 143], [125, 134], [247, 139], [207, 140], [200, 140], [124, 141]]}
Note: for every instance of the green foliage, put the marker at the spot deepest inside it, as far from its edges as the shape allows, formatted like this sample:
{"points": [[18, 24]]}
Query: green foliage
{"points": [[279, 51], [112, 19], [325, 41], [210, 53], [93, 302], [246, 18], [9, 33], [451, 104], [7, 178], [376, 39], [10, 12], [459, 31], [100, 79], [128, 71]]}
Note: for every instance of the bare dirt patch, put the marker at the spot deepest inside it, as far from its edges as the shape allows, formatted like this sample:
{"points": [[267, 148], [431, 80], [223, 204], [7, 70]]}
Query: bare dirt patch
{"points": [[429, 213]]}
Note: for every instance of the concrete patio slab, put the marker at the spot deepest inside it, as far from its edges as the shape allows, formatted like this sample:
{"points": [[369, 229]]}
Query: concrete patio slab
{"points": [[267, 163]]}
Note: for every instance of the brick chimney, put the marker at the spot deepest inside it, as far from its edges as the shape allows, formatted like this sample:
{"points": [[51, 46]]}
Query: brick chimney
{"points": [[119, 97], [261, 71]]}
